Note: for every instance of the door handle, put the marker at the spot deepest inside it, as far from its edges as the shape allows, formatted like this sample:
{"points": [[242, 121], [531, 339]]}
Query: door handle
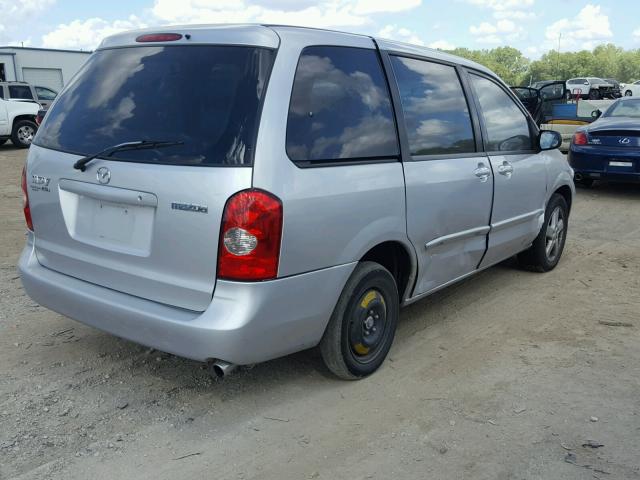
{"points": [[482, 172], [505, 169]]}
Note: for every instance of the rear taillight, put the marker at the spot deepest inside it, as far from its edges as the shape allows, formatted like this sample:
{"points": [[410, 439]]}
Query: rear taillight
{"points": [[249, 246], [39, 118], [25, 200], [580, 138]]}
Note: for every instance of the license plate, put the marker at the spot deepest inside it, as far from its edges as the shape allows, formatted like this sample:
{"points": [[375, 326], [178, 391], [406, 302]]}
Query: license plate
{"points": [[620, 164]]}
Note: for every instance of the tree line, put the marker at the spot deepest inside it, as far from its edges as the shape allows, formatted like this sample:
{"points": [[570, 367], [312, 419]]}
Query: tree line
{"points": [[604, 61]]}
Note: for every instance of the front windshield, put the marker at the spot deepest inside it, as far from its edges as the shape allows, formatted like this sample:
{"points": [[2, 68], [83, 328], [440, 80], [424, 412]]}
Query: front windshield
{"points": [[627, 108]]}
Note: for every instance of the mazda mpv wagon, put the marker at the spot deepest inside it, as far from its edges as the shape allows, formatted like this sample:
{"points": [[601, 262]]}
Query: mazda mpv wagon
{"points": [[232, 194]]}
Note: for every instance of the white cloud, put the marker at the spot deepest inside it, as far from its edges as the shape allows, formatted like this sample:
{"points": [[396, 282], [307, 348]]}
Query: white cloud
{"points": [[585, 31], [319, 13], [636, 34], [504, 30], [393, 32], [14, 15], [505, 9], [385, 6], [87, 34], [442, 45]]}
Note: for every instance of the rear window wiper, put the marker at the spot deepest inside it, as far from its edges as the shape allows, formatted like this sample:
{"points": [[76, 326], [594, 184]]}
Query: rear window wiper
{"points": [[121, 147]]}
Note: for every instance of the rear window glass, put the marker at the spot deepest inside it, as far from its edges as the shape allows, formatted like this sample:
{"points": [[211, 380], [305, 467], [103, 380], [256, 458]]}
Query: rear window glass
{"points": [[207, 97], [340, 107], [20, 91]]}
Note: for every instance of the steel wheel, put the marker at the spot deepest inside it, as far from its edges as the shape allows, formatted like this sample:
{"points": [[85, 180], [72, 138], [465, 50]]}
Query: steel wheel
{"points": [[554, 233], [367, 327]]}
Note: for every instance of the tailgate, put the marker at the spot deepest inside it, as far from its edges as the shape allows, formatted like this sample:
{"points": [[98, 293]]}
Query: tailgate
{"points": [[152, 231]]}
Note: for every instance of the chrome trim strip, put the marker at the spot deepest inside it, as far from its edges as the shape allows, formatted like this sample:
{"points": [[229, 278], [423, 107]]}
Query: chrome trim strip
{"points": [[516, 220], [473, 232]]}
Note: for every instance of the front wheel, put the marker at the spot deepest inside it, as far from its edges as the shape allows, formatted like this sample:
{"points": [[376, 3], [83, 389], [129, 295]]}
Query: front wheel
{"points": [[628, 93], [23, 133], [594, 95], [548, 246], [363, 324]]}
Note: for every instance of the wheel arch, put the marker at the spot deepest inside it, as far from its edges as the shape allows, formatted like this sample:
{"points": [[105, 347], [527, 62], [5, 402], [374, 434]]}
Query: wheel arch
{"points": [[566, 193], [19, 118], [399, 259]]}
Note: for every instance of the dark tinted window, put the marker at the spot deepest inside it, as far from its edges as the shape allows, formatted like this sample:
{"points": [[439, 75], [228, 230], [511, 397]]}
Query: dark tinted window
{"points": [[340, 107], [435, 109], [45, 93], [1, 91], [205, 96], [507, 127], [20, 91]]}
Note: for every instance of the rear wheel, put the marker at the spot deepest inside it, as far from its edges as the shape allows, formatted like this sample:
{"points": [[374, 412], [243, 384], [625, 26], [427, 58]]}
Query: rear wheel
{"points": [[548, 246], [594, 94], [628, 93], [23, 133], [363, 324]]}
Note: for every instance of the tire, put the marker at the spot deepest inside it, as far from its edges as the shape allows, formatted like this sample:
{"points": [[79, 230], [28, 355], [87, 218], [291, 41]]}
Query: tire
{"points": [[628, 93], [23, 133], [594, 94], [547, 248], [363, 324]]}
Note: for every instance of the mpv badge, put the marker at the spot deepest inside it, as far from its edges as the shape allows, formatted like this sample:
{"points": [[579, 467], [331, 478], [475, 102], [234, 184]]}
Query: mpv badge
{"points": [[104, 175], [625, 141]]}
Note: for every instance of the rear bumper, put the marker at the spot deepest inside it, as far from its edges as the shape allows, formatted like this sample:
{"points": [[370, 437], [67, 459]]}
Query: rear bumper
{"points": [[594, 162], [245, 322]]}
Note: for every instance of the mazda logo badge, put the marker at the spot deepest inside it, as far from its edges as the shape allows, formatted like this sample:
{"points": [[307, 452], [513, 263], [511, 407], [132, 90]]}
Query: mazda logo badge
{"points": [[625, 141], [104, 175]]}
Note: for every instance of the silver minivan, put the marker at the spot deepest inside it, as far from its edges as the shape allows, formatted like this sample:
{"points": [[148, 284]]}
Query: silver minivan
{"points": [[232, 194]]}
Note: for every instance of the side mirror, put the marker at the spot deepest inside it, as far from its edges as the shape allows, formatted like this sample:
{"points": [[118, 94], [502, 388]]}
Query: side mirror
{"points": [[549, 140], [596, 114]]}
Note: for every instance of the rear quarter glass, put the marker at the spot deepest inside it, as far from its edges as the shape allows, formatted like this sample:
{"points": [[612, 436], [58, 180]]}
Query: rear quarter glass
{"points": [[208, 97]]}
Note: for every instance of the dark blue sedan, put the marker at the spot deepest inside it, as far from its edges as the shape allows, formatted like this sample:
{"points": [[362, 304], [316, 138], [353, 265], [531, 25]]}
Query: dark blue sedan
{"points": [[609, 148]]}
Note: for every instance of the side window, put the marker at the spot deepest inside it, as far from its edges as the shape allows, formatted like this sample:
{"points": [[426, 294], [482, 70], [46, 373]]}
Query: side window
{"points": [[20, 91], [340, 107], [435, 110], [45, 93], [1, 91], [507, 127]]}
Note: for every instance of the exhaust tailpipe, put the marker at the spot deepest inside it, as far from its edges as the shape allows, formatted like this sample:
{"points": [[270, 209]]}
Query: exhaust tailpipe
{"points": [[220, 369]]}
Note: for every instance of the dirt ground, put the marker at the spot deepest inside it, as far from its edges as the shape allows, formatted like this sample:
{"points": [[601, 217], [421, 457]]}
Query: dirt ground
{"points": [[505, 376]]}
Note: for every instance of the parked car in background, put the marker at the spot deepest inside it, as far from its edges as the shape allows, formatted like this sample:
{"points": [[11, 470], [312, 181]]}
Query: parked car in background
{"points": [[591, 87], [244, 208], [540, 98], [609, 148], [23, 91], [17, 122], [542, 83], [617, 92], [631, 89]]}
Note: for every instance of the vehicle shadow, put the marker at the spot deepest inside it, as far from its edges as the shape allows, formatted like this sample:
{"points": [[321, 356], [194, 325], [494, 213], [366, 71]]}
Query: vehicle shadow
{"points": [[611, 190]]}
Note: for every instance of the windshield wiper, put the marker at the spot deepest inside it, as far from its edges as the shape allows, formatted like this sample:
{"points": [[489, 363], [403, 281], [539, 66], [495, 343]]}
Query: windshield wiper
{"points": [[136, 145]]}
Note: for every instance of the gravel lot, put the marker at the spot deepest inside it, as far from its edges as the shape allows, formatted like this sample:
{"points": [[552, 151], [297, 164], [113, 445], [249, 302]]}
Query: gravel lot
{"points": [[505, 376]]}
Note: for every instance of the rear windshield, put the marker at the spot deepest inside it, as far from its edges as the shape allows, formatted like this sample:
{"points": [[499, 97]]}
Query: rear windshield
{"points": [[207, 97]]}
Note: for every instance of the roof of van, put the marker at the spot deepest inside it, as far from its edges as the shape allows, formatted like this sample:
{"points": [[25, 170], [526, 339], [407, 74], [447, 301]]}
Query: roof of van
{"points": [[269, 35]]}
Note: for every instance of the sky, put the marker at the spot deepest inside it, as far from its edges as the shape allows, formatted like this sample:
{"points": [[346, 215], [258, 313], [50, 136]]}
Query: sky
{"points": [[533, 26]]}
